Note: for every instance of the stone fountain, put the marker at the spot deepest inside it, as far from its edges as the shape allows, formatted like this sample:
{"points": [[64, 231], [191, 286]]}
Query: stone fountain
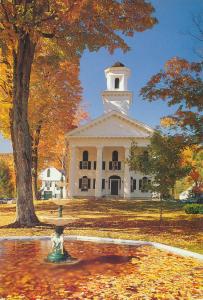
{"points": [[59, 254]]}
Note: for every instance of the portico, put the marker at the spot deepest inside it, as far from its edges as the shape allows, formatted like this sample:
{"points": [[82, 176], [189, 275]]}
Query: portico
{"points": [[101, 173]]}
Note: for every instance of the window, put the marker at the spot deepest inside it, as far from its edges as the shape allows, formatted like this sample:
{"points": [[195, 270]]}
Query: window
{"points": [[85, 156], [116, 165], [116, 83], [48, 184], [48, 173], [115, 156], [103, 184], [85, 165], [144, 184], [103, 165], [133, 185], [94, 183], [84, 183]]}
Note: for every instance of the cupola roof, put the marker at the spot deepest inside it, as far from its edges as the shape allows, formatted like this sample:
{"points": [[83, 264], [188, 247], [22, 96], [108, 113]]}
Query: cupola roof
{"points": [[118, 64]]}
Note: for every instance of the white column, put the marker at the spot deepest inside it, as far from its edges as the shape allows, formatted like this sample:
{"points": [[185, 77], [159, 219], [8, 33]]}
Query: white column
{"points": [[98, 186], [126, 176], [72, 169]]}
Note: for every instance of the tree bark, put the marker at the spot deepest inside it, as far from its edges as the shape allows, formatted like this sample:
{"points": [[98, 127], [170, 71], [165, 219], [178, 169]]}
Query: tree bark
{"points": [[161, 211], [21, 140], [35, 144]]}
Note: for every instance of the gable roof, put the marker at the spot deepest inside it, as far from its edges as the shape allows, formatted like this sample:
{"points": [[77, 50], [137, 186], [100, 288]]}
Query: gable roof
{"points": [[113, 124]]}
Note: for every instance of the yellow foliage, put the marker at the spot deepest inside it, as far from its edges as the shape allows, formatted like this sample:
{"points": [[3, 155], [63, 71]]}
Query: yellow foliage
{"points": [[168, 121]]}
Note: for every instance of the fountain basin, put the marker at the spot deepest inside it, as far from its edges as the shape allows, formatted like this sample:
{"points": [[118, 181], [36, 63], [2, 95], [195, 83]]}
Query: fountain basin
{"points": [[57, 221], [61, 201], [104, 271]]}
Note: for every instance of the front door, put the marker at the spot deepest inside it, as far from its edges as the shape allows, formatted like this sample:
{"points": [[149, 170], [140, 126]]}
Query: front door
{"points": [[114, 186]]}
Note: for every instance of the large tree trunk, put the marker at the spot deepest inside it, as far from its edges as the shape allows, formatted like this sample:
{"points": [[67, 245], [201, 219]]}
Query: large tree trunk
{"points": [[21, 140], [35, 144]]}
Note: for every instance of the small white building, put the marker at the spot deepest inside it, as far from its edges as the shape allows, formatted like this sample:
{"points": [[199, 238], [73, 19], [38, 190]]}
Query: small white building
{"points": [[53, 183], [186, 194], [99, 149]]}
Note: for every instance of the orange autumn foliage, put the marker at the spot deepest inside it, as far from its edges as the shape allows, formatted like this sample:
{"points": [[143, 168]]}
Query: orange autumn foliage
{"points": [[180, 83], [54, 106], [31, 27]]}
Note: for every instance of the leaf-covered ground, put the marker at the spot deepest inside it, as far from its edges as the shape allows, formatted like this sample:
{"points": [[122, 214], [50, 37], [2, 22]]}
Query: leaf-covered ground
{"points": [[131, 219], [104, 272]]}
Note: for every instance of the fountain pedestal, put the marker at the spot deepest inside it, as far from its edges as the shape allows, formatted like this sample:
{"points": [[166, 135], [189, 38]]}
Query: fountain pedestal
{"points": [[59, 254]]}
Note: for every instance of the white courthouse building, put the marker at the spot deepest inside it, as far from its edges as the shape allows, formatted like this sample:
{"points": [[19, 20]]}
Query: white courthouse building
{"points": [[99, 149]]}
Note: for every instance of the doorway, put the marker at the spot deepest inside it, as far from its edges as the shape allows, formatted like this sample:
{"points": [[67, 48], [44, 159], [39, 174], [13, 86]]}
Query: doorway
{"points": [[114, 185]]}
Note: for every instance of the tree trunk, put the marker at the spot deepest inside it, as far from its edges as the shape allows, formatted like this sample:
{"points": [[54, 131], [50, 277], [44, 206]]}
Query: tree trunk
{"points": [[21, 140], [35, 144], [161, 211]]}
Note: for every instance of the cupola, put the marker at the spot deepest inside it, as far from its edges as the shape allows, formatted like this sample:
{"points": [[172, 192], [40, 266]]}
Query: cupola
{"points": [[117, 96]]}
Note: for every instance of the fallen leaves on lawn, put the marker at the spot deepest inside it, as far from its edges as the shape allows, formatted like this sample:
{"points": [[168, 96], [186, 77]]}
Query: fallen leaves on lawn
{"points": [[105, 272]]}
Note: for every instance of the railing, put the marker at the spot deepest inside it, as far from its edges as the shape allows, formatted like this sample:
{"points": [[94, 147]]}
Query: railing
{"points": [[114, 165], [85, 165]]}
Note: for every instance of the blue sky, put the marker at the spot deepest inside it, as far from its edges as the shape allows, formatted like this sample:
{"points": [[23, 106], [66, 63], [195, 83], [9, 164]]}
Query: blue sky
{"points": [[149, 51]]}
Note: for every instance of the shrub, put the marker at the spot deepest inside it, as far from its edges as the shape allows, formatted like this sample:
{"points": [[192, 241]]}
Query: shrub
{"points": [[194, 208]]}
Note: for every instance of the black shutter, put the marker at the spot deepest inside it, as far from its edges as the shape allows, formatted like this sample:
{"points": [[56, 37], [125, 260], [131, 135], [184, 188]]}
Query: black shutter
{"points": [[134, 184], [95, 165], [131, 184], [119, 165], [80, 165], [80, 183], [94, 181], [103, 165], [140, 184], [110, 165], [89, 183], [103, 184], [89, 165]]}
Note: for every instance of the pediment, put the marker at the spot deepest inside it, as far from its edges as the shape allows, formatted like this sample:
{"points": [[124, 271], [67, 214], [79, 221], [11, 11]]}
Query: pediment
{"points": [[113, 124]]}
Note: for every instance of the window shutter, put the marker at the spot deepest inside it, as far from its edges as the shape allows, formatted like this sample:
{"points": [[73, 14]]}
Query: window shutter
{"points": [[80, 183], [80, 165], [103, 165], [95, 165], [103, 184], [140, 184], [89, 165], [131, 184], [134, 184], [110, 165], [94, 181], [119, 165], [89, 183]]}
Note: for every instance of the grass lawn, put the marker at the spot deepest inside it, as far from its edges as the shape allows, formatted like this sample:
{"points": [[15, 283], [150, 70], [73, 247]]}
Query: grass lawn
{"points": [[126, 219]]}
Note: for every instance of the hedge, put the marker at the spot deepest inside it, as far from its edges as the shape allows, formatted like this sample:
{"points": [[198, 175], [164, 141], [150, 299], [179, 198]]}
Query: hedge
{"points": [[194, 208]]}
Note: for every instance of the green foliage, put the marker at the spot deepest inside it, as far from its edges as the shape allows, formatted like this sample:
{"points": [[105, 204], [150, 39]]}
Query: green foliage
{"points": [[6, 185], [194, 208], [162, 160]]}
